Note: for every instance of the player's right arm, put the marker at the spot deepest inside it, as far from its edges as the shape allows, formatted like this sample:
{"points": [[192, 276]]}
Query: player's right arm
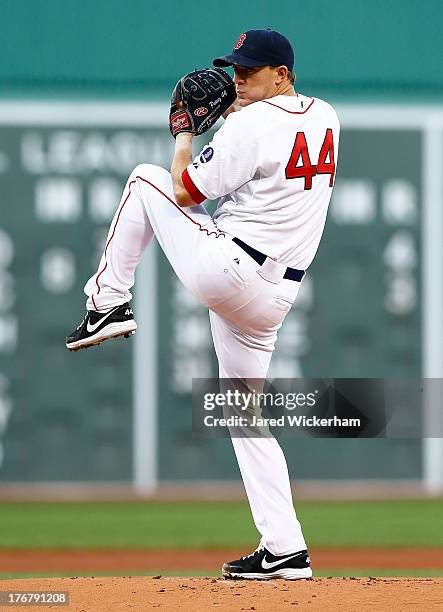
{"points": [[182, 159]]}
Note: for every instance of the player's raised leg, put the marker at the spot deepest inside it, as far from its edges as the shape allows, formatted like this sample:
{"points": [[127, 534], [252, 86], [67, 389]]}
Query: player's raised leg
{"points": [[108, 313], [147, 208]]}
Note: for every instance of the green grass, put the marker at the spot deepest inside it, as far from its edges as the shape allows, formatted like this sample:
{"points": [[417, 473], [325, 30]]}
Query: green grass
{"points": [[213, 524], [374, 572]]}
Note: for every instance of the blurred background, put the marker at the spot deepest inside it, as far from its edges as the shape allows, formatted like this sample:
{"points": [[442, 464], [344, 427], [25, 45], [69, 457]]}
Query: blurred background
{"points": [[84, 89]]}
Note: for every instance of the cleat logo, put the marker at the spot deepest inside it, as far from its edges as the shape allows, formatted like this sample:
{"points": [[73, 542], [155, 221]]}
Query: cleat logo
{"points": [[92, 328], [266, 565]]}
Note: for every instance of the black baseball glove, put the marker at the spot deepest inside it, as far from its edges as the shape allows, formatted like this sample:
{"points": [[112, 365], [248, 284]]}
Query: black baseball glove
{"points": [[199, 99]]}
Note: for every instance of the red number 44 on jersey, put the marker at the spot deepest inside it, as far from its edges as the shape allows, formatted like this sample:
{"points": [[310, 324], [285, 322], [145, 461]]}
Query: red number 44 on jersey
{"points": [[306, 170]]}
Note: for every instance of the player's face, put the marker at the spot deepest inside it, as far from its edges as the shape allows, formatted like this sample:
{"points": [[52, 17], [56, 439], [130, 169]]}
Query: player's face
{"points": [[254, 84]]}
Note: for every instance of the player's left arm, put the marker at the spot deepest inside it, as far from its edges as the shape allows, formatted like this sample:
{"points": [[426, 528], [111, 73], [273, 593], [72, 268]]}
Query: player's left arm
{"points": [[182, 159], [197, 101]]}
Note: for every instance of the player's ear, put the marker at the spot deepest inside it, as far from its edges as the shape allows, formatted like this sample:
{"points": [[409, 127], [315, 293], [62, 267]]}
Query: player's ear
{"points": [[282, 73]]}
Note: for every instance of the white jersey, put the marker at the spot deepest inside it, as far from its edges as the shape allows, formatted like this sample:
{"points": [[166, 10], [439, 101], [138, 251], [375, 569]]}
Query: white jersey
{"points": [[272, 165]]}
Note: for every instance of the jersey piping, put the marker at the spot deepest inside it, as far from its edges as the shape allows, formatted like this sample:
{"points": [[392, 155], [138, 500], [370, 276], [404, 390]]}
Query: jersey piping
{"points": [[288, 111]]}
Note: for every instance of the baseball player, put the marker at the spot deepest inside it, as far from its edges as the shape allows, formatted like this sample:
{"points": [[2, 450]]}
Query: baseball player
{"points": [[272, 164]]}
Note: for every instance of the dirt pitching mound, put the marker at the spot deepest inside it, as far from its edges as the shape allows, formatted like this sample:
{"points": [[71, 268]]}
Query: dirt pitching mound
{"points": [[203, 594], [135, 561]]}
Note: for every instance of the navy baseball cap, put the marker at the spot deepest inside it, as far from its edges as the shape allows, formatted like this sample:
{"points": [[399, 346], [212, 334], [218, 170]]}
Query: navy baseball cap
{"points": [[259, 48]]}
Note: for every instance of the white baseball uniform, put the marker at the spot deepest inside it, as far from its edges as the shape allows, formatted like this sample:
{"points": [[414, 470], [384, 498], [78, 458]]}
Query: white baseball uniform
{"points": [[272, 165]]}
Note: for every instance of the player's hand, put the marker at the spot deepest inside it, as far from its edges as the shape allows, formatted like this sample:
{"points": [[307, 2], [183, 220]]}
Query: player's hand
{"points": [[199, 99]]}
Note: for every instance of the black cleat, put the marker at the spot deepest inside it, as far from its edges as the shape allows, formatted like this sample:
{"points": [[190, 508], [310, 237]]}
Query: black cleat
{"points": [[262, 565], [97, 327]]}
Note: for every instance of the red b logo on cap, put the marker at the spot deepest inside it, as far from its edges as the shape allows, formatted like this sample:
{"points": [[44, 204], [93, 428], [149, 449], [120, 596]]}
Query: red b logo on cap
{"points": [[240, 41]]}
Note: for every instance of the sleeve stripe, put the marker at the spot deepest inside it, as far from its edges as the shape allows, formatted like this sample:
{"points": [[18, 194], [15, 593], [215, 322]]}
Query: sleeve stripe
{"points": [[190, 187]]}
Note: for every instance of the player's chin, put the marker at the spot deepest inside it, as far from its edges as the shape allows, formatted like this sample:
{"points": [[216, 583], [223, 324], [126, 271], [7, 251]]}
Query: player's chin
{"points": [[244, 101]]}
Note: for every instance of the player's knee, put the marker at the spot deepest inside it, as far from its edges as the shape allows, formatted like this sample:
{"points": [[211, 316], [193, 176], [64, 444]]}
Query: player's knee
{"points": [[150, 172]]}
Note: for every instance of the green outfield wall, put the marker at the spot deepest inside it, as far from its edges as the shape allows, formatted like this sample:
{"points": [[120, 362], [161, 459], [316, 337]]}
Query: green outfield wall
{"points": [[140, 48]]}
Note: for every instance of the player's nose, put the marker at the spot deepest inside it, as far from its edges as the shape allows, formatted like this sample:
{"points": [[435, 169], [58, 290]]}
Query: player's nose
{"points": [[237, 79]]}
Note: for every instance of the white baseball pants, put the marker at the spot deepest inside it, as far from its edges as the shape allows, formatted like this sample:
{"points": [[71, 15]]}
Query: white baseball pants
{"points": [[246, 312]]}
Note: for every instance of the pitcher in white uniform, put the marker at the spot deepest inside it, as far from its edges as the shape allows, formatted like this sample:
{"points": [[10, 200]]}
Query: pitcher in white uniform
{"points": [[272, 164]]}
